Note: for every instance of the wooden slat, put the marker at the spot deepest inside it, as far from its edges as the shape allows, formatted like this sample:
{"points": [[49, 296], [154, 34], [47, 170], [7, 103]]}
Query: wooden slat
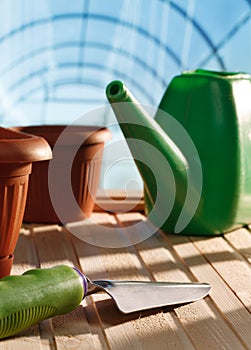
{"points": [[241, 242], [220, 321], [119, 201], [229, 306], [203, 322], [156, 330], [113, 325], [72, 330], [231, 266]]}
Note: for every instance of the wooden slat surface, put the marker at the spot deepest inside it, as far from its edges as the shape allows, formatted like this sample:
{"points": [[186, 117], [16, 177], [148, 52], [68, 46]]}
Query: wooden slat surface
{"points": [[220, 321]]}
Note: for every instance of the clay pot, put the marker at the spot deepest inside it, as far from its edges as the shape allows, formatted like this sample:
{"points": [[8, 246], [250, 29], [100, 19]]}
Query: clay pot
{"points": [[6, 263], [17, 153], [85, 172]]}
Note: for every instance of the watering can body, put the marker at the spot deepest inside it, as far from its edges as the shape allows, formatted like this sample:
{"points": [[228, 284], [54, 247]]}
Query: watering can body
{"points": [[214, 109]]}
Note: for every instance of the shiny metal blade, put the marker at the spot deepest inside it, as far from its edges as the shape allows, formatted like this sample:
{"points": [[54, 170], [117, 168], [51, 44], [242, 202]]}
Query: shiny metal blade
{"points": [[131, 296]]}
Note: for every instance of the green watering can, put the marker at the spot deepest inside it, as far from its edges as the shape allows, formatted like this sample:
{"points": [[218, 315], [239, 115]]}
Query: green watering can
{"points": [[195, 155]]}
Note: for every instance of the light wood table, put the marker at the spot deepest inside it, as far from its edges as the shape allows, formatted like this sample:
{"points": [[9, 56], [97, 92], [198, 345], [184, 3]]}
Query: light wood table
{"points": [[220, 321]]}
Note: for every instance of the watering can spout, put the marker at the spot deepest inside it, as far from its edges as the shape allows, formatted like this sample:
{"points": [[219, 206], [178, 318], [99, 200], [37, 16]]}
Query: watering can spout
{"points": [[161, 164]]}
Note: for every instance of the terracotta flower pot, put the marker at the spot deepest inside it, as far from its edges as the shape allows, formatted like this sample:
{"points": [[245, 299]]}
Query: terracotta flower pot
{"points": [[85, 172], [17, 153], [6, 263]]}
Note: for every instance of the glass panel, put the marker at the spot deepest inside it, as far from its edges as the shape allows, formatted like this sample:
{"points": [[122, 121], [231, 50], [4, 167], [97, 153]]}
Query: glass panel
{"points": [[57, 56]]}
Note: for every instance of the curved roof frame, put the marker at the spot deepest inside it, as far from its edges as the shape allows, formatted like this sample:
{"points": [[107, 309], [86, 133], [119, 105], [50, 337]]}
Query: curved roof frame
{"points": [[214, 50], [140, 30], [98, 67]]}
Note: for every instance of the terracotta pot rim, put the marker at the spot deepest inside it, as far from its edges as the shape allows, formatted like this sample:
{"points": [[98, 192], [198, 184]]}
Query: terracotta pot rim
{"points": [[74, 134], [19, 147]]}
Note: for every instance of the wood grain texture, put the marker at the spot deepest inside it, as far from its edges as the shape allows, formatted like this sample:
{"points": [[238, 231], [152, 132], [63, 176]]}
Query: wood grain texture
{"points": [[222, 320], [202, 321], [229, 306]]}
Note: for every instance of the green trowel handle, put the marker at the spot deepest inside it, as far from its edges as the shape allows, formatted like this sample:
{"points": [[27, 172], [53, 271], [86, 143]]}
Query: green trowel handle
{"points": [[36, 295]]}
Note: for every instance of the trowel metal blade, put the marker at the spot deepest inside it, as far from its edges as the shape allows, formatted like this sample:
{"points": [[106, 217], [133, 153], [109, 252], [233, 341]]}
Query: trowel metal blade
{"points": [[131, 296]]}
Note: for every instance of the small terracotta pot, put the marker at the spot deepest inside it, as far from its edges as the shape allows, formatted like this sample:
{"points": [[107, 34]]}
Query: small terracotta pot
{"points": [[85, 172], [17, 153]]}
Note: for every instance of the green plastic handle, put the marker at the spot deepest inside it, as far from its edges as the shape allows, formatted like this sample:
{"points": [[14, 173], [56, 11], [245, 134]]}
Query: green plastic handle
{"points": [[36, 295]]}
